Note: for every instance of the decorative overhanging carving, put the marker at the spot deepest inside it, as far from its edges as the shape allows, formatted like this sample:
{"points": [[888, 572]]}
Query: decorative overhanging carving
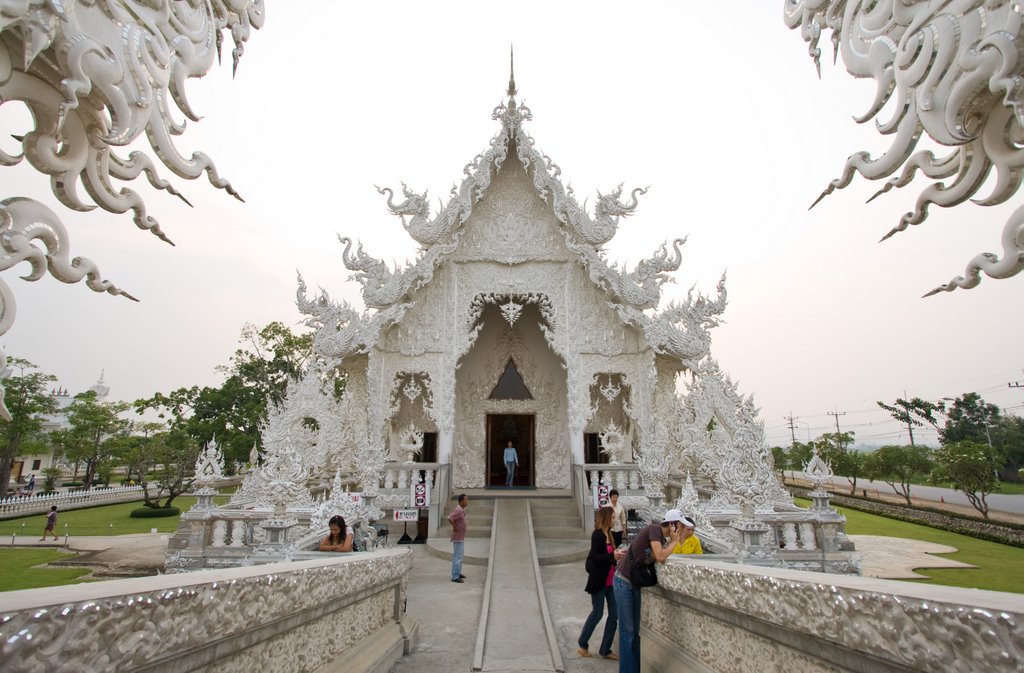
{"points": [[95, 77], [956, 75]]}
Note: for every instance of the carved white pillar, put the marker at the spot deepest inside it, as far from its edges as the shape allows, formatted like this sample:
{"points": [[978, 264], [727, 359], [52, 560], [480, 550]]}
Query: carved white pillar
{"points": [[807, 536], [220, 532], [576, 448], [237, 533], [445, 440]]}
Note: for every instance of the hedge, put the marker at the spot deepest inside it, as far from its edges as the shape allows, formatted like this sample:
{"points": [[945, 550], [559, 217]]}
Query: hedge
{"points": [[154, 512]]}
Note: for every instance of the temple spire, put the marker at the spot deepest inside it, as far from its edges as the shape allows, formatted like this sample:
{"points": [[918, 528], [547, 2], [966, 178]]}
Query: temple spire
{"points": [[511, 72]]}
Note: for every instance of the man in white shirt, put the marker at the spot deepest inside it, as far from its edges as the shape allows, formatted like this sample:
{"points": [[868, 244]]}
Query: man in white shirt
{"points": [[511, 460]]}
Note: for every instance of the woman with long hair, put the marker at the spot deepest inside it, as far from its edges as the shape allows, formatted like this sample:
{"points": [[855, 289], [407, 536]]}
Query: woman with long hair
{"points": [[340, 536], [600, 568]]}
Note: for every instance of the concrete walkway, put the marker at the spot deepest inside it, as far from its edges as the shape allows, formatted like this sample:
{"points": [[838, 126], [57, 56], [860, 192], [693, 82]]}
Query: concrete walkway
{"points": [[516, 638]]}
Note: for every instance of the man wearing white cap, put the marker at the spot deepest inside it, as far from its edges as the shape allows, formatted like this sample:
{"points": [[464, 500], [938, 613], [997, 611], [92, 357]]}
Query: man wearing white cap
{"points": [[652, 545], [688, 542]]}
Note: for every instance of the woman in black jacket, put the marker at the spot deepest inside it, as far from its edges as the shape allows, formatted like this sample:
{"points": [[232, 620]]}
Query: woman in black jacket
{"points": [[600, 567]]}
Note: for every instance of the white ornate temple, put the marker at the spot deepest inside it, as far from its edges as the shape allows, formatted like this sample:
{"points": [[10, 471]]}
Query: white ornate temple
{"points": [[509, 326]]}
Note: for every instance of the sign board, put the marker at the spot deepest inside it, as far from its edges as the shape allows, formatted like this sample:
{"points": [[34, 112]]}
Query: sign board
{"points": [[600, 495], [356, 498], [407, 515], [419, 496]]}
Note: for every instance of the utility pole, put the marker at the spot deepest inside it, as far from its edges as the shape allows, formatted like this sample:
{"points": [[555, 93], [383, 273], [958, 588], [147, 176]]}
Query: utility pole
{"points": [[837, 414], [792, 428]]}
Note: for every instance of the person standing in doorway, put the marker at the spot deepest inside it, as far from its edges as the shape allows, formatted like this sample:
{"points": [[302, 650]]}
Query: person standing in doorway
{"points": [[458, 521], [618, 516], [51, 525], [511, 463]]}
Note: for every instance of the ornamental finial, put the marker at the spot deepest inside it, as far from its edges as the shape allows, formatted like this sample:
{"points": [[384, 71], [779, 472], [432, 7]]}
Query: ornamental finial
{"points": [[511, 72]]}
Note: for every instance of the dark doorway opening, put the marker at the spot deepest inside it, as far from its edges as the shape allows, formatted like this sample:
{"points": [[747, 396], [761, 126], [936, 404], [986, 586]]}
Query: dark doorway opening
{"points": [[505, 428]]}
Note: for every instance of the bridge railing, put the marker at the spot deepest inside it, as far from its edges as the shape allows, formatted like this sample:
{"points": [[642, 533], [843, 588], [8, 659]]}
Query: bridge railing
{"points": [[775, 619], [342, 612]]}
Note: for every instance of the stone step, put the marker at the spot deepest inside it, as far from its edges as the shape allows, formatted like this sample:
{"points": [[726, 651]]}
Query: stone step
{"points": [[556, 521], [564, 533]]}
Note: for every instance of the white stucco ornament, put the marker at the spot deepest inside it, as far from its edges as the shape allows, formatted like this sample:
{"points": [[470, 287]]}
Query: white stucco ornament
{"points": [[818, 471], [209, 466], [956, 75]]}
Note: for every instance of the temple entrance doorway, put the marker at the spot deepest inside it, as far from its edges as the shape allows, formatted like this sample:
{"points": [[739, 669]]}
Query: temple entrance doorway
{"points": [[505, 428]]}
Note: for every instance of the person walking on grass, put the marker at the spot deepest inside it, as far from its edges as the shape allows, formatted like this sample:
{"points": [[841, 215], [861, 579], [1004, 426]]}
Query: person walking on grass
{"points": [[51, 524], [458, 521]]}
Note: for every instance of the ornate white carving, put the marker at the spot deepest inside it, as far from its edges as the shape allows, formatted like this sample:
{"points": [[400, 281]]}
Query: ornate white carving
{"points": [[179, 619], [904, 626], [411, 442], [511, 312], [817, 471], [610, 391], [611, 443], [957, 76], [209, 466]]}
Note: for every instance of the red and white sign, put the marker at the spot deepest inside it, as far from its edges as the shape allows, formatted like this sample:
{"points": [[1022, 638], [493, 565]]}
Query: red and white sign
{"points": [[420, 495], [601, 495], [402, 515]]}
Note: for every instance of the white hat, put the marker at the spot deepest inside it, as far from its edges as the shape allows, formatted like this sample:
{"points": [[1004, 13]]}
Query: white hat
{"points": [[688, 522], [672, 515]]}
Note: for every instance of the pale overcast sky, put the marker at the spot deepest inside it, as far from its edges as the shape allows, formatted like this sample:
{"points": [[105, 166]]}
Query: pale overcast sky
{"points": [[716, 106]]}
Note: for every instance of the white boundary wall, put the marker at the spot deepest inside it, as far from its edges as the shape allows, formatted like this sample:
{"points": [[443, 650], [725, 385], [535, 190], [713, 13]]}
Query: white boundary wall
{"points": [[711, 617], [346, 613], [26, 505]]}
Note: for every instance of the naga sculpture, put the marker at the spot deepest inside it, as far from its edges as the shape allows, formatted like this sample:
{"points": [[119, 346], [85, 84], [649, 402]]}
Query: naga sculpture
{"points": [[641, 287], [956, 74], [681, 330], [421, 228], [95, 76]]}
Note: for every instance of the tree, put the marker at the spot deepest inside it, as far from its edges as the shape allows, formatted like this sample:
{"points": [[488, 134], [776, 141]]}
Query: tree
{"points": [[897, 465], [257, 375], [92, 433], [800, 455], [834, 448], [28, 401], [174, 454], [915, 412], [1008, 437], [969, 419], [851, 466], [780, 458], [972, 468]]}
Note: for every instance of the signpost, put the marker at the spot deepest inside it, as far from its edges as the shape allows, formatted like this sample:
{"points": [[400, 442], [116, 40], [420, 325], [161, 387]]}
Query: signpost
{"points": [[600, 495]]}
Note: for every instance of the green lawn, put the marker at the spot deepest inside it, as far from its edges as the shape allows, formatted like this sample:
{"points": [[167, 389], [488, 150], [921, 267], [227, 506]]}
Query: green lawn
{"points": [[19, 572], [1005, 487], [999, 565], [105, 520]]}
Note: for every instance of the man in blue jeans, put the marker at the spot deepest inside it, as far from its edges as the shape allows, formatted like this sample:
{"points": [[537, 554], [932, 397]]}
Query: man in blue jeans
{"points": [[511, 459], [653, 544], [458, 521]]}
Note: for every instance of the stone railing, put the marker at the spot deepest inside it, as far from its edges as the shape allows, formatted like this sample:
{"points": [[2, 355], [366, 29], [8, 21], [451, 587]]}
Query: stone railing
{"points": [[342, 612], [707, 617], [27, 505]]}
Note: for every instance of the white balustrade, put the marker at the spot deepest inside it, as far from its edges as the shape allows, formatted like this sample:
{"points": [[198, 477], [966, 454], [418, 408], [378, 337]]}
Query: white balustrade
{"points": [[38, 504]]}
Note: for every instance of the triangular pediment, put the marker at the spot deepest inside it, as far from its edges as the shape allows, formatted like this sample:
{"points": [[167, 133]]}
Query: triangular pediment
{"points": [[510, 385]]}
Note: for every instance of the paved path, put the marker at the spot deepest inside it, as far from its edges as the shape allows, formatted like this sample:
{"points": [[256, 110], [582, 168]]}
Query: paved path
{"points": [[1012, 504]]}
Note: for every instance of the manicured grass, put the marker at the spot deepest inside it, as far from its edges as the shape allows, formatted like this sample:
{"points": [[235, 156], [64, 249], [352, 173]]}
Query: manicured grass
{"points": [[105, 520], [999, 565], [19, 572], [1005, 487]]}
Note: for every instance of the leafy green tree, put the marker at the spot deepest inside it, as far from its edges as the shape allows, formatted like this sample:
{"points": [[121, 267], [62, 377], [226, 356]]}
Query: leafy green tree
{"points": [[897, 465], [174, 456], [800, 454], [1008, 437], [834, 448], [26, 396], [972, 468], [92, 436], [50, 476], [969, 419], [258, 374], [780, 458], [913, 413]]}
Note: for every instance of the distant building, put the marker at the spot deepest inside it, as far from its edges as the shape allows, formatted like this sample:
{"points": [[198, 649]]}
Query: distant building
{"points": [[27, 465]]}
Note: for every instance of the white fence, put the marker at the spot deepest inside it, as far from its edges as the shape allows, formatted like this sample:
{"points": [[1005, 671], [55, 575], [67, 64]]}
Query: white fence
{"points": [[26, 505]]}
